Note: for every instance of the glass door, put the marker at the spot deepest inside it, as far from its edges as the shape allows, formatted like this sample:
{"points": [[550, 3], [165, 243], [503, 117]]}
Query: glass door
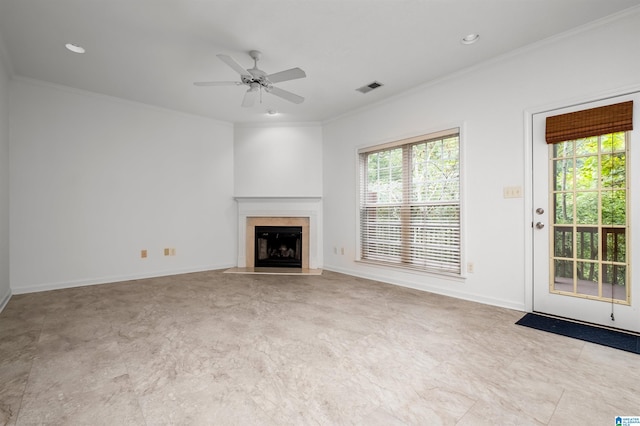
{"points": [[581, 229]]}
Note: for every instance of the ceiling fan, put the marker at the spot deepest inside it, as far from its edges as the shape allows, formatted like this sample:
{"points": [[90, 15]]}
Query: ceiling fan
{"points": [[257, 80]]}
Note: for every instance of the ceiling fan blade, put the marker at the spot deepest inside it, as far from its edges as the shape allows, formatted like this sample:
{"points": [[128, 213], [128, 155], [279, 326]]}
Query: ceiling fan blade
{"points": [[291, 97], [233, 64], [250, 97], [217, 83], [291, 74]]}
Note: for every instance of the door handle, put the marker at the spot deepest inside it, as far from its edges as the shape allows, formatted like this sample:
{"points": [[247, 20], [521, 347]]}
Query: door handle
{"points": [[539, 225], [539, 210]]}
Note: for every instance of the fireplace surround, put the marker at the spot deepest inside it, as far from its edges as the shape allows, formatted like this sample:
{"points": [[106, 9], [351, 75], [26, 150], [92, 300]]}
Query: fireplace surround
{"points": [[303, 212], [253, 223]]}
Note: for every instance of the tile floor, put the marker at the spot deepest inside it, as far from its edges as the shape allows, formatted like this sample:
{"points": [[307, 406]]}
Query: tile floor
{"points": [[233, 349]]}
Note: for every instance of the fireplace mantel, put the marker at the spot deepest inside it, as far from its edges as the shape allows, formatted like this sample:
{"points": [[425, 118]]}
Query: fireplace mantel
{"points": [[280, 207], [274, 198]]}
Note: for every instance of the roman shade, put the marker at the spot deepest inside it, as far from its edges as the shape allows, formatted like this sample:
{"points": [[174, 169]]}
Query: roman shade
{"points": [[590, 122]]}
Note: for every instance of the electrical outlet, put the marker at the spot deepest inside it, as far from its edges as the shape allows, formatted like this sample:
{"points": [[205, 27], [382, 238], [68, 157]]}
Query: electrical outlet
{"points": [[470, 267], [167, 252], [143, 254]]}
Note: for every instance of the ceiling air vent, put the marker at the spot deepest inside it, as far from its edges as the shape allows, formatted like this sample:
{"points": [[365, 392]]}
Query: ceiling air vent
{"points": [[369, 87]]}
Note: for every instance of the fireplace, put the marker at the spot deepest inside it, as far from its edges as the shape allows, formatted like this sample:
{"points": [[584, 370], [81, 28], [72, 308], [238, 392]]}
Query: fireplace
{"points": [[278, 246], [304, 213], [282, 226]]}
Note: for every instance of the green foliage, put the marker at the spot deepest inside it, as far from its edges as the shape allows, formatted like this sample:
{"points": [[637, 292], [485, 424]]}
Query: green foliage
{"points": [[412, 214], [384, 176], [590, 189], [434, 174], [590, 172]]}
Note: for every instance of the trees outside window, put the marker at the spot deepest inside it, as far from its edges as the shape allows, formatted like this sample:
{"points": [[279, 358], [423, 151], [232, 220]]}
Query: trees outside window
{"points": [[410, 203]]}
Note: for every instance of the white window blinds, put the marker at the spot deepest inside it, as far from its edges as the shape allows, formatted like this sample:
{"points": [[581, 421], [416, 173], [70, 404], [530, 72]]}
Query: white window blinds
{"points": [[410, 203]]}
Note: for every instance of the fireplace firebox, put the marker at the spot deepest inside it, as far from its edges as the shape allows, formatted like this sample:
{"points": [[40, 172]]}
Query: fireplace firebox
{"points": [[278, 246]]}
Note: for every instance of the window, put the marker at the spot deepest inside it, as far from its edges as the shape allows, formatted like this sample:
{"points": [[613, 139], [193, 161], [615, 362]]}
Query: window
{"points": [[410, 203], [589, 196]]}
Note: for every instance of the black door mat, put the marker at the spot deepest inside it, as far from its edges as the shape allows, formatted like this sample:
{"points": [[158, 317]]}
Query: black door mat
{"points": [[589, 333]]}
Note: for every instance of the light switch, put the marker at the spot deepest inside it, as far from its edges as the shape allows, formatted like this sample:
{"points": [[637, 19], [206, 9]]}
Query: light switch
{"points": [[512, 192]]}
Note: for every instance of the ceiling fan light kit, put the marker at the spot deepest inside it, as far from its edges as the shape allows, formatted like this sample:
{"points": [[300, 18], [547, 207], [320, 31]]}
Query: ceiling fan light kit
{"points": [[470, 38], [256, 80], [75, 48]]}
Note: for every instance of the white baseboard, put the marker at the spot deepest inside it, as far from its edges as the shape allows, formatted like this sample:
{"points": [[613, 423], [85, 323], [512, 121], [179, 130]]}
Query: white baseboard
{"points": [[437, 290], [371, 276], [5, 300], [114, 279]]}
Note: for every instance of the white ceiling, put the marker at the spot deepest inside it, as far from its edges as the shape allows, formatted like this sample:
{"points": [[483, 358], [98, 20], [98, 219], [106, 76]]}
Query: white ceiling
{"points": [[151, 51]]}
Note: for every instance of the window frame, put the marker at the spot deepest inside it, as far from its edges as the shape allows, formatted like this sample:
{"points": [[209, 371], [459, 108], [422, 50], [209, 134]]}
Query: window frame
{"points": [[422, 137]]}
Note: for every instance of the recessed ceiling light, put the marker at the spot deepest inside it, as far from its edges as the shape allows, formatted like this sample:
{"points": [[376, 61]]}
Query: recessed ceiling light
{"points": [[272, 112], [470, 38], [74, 48]]}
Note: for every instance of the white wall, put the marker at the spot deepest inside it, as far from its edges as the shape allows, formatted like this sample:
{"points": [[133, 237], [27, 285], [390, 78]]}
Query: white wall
{"points": [[5, 288], [490, 101], [278, 160], [94, 180]]}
